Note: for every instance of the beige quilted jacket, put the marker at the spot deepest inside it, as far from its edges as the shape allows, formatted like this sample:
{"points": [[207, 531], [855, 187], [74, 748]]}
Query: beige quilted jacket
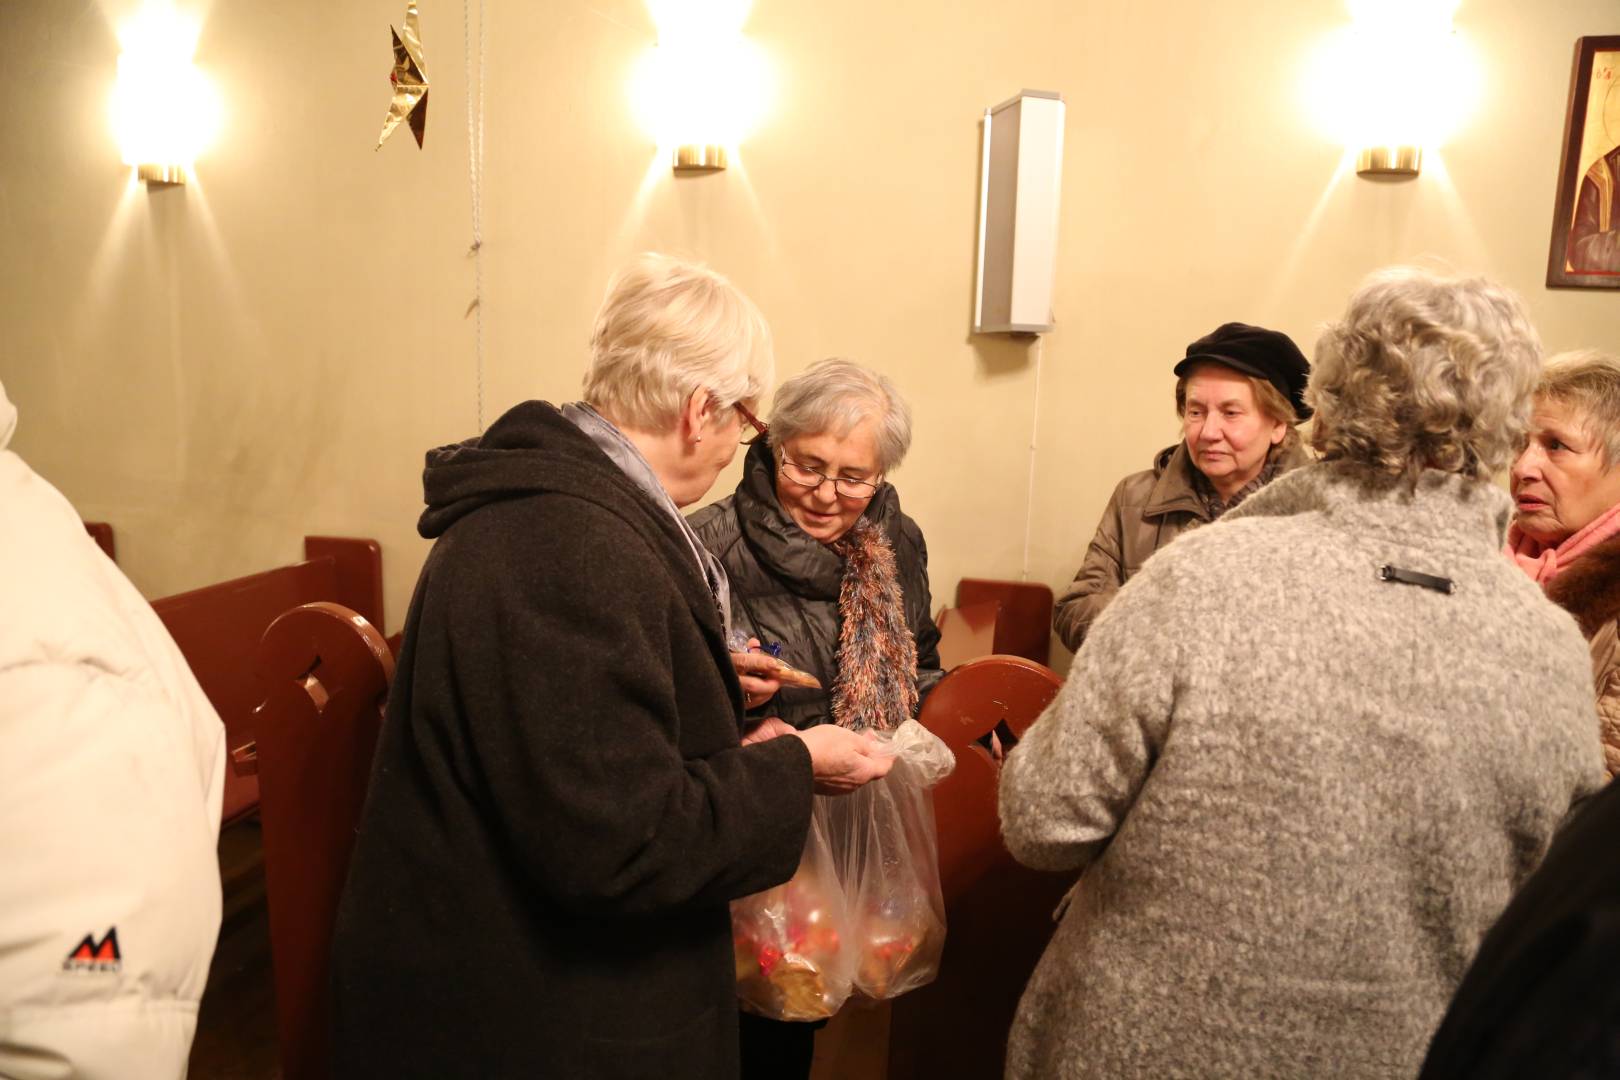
{"points": [[1590, 590]]}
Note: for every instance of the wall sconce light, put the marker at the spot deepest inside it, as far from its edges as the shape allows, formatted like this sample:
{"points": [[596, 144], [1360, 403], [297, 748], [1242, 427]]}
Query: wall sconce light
{"points": [[1394, 83], [164, 111], [704, 86], [1389, 161]]}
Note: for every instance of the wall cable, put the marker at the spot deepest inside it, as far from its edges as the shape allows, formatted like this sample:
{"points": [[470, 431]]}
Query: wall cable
{"points": [[475, 171], [1034, 431]]}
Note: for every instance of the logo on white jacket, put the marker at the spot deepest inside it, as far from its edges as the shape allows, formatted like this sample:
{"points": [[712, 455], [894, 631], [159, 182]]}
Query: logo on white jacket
{"points": [[93, 955]]}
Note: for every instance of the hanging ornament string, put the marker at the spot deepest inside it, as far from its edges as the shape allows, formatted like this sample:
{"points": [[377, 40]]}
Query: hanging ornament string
{"points": [[475, 170]]}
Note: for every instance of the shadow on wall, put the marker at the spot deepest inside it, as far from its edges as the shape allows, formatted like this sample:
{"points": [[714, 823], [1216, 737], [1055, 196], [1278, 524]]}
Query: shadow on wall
{"points": [[1003, 354]]}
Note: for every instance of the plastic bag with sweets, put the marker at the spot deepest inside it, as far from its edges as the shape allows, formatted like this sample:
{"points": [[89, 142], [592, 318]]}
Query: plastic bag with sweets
{"points": [[790, 941], [886, 851]]}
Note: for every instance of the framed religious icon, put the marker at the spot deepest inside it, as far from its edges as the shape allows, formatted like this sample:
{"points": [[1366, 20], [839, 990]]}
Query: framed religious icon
{"points": [[1585, 250]]}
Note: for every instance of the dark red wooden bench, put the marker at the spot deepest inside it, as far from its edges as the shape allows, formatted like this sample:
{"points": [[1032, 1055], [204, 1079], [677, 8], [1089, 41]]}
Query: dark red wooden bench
{"points": [[294, 661], [1023, 615], [218, 628], [998, 914], [326, 672]]}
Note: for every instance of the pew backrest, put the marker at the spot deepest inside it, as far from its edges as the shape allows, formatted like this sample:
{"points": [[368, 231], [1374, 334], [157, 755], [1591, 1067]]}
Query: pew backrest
{"points": [[326, 672], [218, 629], [997, 913], [1023, 625]]}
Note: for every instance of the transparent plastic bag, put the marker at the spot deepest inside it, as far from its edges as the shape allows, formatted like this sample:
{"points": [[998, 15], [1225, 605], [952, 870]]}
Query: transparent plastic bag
{"points": [[886, 851], [790, 942]]}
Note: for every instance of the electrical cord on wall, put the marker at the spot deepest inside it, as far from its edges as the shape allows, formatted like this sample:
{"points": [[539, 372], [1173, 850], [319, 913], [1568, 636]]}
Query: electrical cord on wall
{"points": [[475, 170], [1034, 430]]}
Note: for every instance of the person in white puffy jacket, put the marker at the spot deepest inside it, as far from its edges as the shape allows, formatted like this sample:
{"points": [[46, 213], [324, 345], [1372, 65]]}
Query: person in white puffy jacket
{"points": [[111, 775]]}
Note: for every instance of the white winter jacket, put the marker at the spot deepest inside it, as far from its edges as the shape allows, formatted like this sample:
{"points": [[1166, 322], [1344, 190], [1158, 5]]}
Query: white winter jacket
{"points": [[111, 774]]}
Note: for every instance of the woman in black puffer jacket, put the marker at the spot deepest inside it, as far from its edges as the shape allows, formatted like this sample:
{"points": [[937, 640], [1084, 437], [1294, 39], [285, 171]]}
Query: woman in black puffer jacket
{"points": [[822, 560]]}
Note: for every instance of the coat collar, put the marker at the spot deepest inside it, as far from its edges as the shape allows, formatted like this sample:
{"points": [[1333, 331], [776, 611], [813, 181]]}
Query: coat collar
{"points": [[807, 566], [1174, 486], [1444, 512], [1589, 587]]}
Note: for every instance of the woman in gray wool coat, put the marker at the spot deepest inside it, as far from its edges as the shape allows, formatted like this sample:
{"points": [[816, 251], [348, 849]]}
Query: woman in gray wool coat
{"points": [[1310, 752]]}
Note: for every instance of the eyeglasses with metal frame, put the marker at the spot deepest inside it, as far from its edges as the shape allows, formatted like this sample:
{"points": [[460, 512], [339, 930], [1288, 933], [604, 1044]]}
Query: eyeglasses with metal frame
{"points": [[807, 477]]}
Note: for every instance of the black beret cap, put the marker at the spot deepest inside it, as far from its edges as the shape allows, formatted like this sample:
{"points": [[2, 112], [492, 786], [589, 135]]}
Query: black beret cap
{"points": [[1267, 354]]}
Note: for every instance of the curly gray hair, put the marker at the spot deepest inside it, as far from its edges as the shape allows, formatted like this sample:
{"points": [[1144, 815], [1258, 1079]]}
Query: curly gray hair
{"points": [[1589, 382], [1424, 371], [835, 395]]}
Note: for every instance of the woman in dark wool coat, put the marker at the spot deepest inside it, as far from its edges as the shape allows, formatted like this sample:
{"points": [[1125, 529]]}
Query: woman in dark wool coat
{"points": [[565, 798], [823, 561]]}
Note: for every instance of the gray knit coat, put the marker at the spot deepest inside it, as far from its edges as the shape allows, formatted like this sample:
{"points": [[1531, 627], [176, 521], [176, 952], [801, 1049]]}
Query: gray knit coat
{"points": [[1300, 794]]}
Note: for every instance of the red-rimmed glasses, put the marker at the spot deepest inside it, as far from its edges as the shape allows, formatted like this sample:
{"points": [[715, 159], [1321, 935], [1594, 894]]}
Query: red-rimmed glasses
{"points": [[746, 437]]}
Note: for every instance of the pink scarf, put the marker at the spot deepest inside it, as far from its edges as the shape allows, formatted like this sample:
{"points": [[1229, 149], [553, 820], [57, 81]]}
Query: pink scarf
{"points": [[1543, 562]]}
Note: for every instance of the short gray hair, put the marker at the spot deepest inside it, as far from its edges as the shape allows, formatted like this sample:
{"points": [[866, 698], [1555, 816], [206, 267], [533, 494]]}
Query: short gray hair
{"points": [[1589, 381], [1424, 371], [835, 395], [666, 328]]}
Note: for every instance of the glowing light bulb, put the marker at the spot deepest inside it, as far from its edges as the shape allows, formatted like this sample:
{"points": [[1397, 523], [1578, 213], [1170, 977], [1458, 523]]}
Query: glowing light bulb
{"points": [[704, 87], [164, 111]]}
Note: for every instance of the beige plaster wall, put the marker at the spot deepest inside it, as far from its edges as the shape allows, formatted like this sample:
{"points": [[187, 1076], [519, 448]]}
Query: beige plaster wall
{"points": [[221, 369]]}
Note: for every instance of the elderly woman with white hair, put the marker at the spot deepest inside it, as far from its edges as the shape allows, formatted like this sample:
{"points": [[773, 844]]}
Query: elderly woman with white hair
{"points": [[1309, 752], [1566, 532], [564, 801], [823, 562]]}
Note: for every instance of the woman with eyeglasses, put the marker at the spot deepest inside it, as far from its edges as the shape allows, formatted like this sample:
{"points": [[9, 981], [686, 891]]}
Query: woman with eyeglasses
{"points": [[566, 795], [822, 560]]}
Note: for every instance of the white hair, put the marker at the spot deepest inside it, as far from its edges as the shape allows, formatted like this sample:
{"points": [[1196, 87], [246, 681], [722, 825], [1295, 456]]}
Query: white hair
{"points": [[832, 396], [666, 328], [1424, 371]]}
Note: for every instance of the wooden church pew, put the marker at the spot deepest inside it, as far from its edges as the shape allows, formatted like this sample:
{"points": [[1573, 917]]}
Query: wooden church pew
{"points": [[287, 651], [998, 914], [102, 533], [326, 671], [218, 628], [1023, 624]]}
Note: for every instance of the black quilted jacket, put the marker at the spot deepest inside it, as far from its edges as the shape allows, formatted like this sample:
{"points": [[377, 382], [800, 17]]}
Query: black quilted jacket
{"points": [[784, 584]]}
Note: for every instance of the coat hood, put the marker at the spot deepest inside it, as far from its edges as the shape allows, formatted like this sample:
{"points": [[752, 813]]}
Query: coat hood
{"points": [[529, 450]]}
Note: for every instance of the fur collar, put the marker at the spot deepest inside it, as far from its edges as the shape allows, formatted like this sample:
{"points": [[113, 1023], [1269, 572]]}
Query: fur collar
{"points": [[1589, 588]]}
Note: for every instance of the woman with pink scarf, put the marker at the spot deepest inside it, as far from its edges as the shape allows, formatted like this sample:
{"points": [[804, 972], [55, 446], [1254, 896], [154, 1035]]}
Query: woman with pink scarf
{"points": [[1566, 532]]}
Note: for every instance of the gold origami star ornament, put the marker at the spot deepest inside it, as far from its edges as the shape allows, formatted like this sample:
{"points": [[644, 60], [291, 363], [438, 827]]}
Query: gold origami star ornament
{"points": [[410, 81]]}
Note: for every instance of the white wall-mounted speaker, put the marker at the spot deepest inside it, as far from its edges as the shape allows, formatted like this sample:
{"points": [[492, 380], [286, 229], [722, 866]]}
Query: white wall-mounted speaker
{"points": [[1020, 178]]}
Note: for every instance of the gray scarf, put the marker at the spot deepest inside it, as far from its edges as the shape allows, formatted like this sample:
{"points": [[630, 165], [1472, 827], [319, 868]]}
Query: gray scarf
{"points": [[623, 453]]}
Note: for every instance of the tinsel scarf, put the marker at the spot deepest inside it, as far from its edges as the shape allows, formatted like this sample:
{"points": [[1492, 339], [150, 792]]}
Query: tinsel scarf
{"points": [[877, 656]]}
